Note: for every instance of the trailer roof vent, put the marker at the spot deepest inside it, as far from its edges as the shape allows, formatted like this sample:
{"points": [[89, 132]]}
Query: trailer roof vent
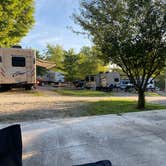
{"points": [[16, 46]]}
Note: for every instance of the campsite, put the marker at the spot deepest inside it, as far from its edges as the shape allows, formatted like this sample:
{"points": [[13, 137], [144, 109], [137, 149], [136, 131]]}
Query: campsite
{"points": [[82, 83]]}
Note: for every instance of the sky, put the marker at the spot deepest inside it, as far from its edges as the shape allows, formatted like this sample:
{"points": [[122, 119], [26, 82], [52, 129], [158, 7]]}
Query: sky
{"points": [[53, 17]]}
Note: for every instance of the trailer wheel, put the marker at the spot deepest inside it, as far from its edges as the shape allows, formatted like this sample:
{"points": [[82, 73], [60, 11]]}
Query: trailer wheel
{"points": [[28, 87], [4, 88]]}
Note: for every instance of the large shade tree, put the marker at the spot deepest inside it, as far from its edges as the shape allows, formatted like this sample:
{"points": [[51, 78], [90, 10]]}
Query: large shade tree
{"points": [[130, 33], [16, 19]]}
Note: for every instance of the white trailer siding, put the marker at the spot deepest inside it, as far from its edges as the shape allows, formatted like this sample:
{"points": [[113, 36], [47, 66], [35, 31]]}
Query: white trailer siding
{"points": [[17, 66], [53, 77], [108, 79], [112, 78]]}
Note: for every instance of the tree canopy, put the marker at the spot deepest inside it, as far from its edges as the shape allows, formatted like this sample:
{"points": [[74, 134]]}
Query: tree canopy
{"points": [[70, 65], [89, 63], [16, 19], [55, 54], [130, 33], [83, 63]]}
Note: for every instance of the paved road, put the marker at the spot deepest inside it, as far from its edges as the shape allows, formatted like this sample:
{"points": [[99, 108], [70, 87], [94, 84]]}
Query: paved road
{"points": [[134, 139]]}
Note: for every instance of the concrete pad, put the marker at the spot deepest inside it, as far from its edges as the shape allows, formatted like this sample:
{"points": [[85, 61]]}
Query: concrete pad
{"points": [[133, 139]]}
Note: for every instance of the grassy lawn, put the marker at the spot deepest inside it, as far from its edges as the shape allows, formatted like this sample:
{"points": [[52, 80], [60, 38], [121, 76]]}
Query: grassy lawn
{"points": [[85, 93], [78, 109], [152, 94], [118, 107], [92, 93], [34, 93]]}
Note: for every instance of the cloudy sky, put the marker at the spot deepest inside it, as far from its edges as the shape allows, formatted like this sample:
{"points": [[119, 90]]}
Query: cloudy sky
{"points": [[52, 19]]}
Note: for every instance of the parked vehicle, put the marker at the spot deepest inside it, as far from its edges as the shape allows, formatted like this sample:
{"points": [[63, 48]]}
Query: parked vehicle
{"points": [[107, 81], [17, 68], [126, 84], [151, 84], [54, 77], [103, 81]]}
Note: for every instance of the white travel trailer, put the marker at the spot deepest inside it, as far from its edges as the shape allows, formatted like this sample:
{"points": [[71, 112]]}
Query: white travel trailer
{"points": [[54, 77], [107, 80], [17, 68], [103, 81]]}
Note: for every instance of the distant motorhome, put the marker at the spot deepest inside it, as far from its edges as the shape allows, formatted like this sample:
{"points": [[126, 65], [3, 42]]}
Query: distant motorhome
{"points": [[111, 80], [53, 77], [103, 81]]}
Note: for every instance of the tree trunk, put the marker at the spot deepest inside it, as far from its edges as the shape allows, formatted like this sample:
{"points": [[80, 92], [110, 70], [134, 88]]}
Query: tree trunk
{"points": [[141, 99]]}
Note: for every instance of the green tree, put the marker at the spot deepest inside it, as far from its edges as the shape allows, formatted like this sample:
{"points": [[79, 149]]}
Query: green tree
{"points": [[89, 63], [16, 19], [70, 65], [55, 54], [131, 34]]}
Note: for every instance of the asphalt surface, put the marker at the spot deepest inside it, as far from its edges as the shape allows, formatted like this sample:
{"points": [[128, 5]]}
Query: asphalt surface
{"points": [[133, 139]]}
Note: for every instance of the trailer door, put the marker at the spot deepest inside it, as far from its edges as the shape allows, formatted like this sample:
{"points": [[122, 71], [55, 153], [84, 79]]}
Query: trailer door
{"points": [[30, 69]]}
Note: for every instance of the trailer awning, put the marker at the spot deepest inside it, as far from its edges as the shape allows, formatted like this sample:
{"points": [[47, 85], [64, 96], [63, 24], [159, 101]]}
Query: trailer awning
{"points": [[45, 64]]}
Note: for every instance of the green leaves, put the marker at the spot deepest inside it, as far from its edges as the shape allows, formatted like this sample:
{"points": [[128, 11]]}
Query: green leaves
{"points": [[70, 65], [89, 63], [55, 54], [75, 65], [16, 19], [130, 33]]}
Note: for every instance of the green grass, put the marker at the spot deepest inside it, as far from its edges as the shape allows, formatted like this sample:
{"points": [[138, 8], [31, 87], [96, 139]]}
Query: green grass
{"points": [[152, 94], [87, 93], [35, 93], [119, 107]]}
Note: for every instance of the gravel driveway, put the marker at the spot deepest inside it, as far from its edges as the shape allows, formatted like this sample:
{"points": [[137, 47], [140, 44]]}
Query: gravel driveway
{"points": [[44, 103]]}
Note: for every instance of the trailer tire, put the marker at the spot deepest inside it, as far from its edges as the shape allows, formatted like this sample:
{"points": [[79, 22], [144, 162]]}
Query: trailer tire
{"points": [[4, 88], [28, 87]]}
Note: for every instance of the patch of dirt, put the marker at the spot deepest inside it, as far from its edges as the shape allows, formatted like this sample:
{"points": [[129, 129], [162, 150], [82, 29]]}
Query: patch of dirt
{"points": [[20, 105]]}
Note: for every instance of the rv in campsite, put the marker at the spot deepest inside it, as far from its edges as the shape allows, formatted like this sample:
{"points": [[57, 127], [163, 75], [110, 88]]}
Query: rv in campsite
{"points": [[103, 81], [17, 68], [53, 77], [126, 84], [107, 81]]}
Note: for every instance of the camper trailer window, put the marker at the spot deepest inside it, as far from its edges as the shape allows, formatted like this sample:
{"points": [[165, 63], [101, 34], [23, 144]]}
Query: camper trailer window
{"points": [[18, 61], [87, 79], [92, 78], [0, 59], [116, 79]]}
